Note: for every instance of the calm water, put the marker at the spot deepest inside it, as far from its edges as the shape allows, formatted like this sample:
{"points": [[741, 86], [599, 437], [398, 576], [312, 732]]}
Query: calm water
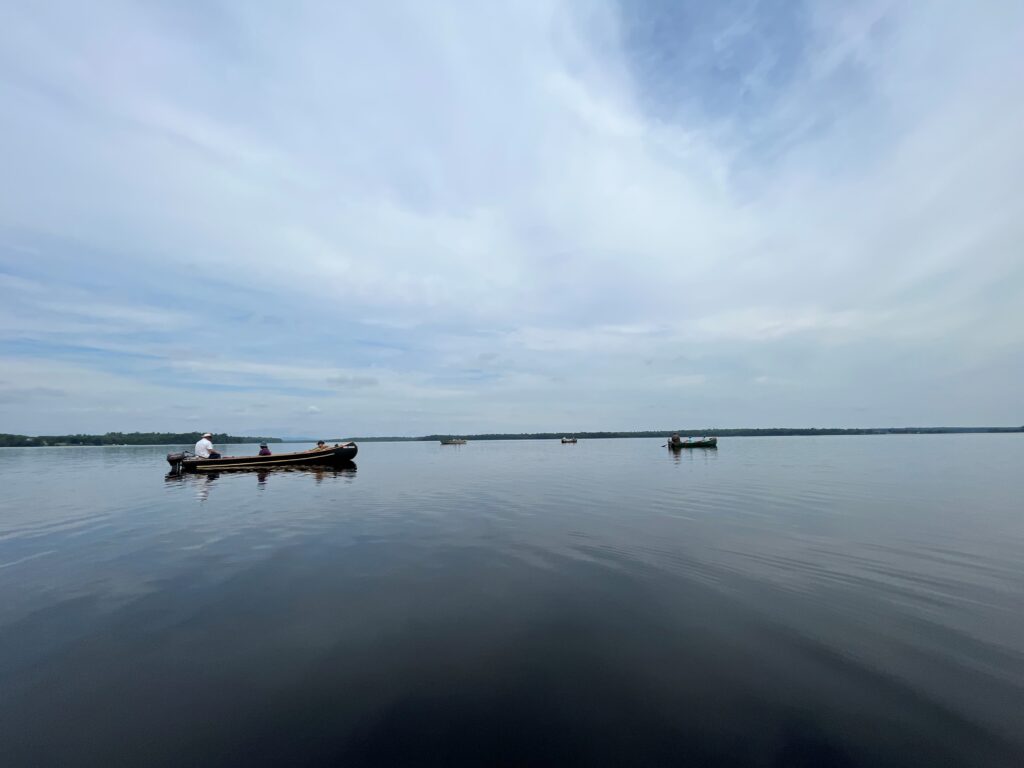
{"points": [[783, 601]]}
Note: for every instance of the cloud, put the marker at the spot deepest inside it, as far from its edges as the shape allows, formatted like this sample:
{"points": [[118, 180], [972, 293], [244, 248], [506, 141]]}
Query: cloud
{"points": [[9, 394], [433, 218], [352, 381], [760, 323]]}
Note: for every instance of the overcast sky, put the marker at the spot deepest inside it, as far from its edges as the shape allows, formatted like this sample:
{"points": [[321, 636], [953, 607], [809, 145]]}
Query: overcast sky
{"points": [[405, 218]]}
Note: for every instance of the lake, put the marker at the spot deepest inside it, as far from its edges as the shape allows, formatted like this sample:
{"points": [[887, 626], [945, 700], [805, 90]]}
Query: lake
{"points": [[798, 601]]}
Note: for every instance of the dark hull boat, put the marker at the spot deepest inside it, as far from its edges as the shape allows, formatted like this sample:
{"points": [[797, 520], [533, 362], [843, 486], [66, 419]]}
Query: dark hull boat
{"points": [[711, 442], [328, 457], [566, 440]]}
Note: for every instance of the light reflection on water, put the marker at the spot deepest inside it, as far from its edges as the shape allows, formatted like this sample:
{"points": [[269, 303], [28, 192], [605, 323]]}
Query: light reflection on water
{"points": [[204, 482], [845, 601]]}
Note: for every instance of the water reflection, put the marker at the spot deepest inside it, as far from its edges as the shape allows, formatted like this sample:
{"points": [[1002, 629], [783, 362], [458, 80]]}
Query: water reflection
{"points": [[802, 601], [691, 455], [205, 481]]}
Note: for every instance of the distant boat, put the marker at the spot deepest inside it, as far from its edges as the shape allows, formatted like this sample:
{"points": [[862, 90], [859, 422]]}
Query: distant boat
{"points": [[677, 444], [568, 440], [453, 441], [339, 454]]}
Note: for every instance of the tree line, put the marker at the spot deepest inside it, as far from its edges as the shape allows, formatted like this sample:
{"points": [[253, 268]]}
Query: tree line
{"points": [[185, 438], [739, 432], [126, 438]]}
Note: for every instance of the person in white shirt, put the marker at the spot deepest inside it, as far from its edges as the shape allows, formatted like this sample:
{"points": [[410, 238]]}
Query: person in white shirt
{"points": [[204, 448]]}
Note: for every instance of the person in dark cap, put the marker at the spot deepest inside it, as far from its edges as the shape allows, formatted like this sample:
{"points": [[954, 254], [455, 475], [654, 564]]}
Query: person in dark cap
{"points": [[264, 451]]}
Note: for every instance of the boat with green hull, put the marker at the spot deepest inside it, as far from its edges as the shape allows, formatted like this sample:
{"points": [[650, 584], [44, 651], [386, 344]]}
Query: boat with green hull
{"points": [[675, 444]]}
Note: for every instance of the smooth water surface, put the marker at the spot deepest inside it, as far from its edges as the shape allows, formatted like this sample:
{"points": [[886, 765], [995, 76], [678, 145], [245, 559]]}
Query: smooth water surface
{"points": [[833, 601]]}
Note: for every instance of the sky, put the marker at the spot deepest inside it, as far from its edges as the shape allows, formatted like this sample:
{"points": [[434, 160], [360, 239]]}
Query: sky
{"points": [[412, 218]]}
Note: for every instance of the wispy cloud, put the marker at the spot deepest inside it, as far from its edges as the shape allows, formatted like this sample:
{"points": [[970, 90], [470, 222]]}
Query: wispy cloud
{"points": [[444, 217]]}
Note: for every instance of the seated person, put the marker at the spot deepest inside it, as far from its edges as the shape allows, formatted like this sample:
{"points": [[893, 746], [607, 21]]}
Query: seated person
{"points": [[264, 451], [204, 448], [320, 446]]}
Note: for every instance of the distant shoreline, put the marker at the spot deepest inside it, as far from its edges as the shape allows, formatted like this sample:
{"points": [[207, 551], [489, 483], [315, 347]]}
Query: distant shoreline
{"points": [[123, 438], [163, 438], [749, 432]]}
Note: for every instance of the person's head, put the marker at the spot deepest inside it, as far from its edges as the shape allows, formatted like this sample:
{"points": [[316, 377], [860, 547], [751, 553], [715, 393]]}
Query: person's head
{"points": [[320, 443], [207, 435], [263, 445]]}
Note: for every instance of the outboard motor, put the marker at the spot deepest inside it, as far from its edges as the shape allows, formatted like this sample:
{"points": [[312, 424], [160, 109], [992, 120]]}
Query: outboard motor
{"points": [[175, 459]]}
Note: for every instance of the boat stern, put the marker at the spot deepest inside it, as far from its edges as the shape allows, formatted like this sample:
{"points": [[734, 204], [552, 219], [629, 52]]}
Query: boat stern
{"points": [[175, 460]]}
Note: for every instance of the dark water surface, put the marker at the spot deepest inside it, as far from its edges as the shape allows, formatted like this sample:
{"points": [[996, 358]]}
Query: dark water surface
{"points": [[801, 601]]}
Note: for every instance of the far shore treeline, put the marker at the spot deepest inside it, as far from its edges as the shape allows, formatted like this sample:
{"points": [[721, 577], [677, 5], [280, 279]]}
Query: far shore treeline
{"points": [[184, 438], [745, 432], [126, 438]]}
